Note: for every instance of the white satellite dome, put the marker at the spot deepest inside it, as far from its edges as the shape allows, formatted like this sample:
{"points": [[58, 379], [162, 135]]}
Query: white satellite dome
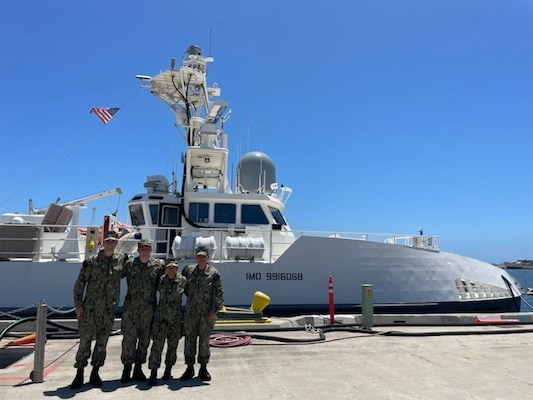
{"points": [[256, 173]]}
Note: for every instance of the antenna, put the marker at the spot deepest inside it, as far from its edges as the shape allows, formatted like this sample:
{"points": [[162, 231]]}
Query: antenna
{"points": [[232, 175], [210, 41], [174, 183], [248, 136]]}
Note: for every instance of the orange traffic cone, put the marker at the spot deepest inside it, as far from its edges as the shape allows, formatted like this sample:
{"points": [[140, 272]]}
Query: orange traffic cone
{"points": [[28, 339]]}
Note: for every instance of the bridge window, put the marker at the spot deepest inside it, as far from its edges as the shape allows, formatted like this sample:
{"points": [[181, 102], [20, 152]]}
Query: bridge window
{"points": [[137, 215], [252, 214], [154, 211], [170, 215], [277, 216], [199, 212], [225, 213]]}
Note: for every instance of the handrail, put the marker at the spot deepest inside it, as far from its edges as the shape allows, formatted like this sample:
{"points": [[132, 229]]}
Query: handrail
{"points": [[33, 242]]}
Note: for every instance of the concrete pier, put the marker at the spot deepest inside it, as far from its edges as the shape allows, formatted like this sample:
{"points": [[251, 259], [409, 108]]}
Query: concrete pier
{"points": [[401, 357]]}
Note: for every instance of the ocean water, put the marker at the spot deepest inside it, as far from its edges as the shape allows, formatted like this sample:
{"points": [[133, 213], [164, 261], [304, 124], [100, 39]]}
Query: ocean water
{"points": [[525, 277]]}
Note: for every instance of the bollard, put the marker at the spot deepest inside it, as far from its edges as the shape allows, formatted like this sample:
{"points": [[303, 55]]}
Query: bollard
{"points": [[40, 340], [331, 302], [367, 306]]}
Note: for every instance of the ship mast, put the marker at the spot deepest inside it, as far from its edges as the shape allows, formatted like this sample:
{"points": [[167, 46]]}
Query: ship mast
{"points": [[186, 93]]}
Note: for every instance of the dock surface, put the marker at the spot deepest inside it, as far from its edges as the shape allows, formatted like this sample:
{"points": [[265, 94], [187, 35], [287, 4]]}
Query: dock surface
{"points": [[487, 360]]}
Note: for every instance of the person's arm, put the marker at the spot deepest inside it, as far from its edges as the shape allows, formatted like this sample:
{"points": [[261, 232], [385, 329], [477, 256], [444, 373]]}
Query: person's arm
{"points": [[79, 288], [185, 273], [217, 296], [125, 267]]}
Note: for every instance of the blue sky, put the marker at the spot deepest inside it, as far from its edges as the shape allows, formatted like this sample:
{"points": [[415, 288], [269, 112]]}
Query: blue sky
{"points": [[383, 116]]}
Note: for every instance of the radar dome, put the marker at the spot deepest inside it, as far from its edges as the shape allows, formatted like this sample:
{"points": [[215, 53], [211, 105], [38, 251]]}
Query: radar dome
{"points": [[256, 172], [156, 184]]}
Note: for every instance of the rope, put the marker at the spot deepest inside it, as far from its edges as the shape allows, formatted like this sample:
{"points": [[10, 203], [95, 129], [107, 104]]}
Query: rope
{"points": [[526, 302], [60, 311], [227, 340], [19, 313], [14, 314]]}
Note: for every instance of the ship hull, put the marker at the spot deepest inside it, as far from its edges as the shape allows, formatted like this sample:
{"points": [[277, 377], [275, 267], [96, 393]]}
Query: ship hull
{"points": [[400, 279]]}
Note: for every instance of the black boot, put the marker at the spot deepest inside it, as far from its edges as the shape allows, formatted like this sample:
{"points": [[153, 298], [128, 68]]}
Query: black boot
{"points": [[95, 378], [204, 374], [78, 380], [188, 374], [126, 374], [138, 373], [167, 375], [153, 377]]}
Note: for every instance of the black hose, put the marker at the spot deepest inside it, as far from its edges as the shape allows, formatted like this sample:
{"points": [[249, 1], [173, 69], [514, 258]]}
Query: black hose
{"points": [[259, 333], [319, 331], [70, 333], [353, 328], [457, 333], [62, 326], [14, 324]]}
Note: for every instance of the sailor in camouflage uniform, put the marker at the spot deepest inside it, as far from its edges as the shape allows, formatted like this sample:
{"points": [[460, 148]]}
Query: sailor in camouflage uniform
{"points": [[167, 321], [99, 280], [142, 274], [205, 297]]}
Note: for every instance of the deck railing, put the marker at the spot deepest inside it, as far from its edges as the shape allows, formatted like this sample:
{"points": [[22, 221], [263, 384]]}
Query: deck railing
{"points": [[34, 242]]}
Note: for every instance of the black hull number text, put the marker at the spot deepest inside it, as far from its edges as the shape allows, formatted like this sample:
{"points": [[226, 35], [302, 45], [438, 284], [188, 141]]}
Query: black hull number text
{"points": [[275, 276]]}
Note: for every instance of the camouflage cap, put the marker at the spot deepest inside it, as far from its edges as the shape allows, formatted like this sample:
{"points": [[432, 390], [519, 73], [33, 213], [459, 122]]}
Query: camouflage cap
{"points": [[202, 251], [110, 235], [144, 243], [171, 262]]}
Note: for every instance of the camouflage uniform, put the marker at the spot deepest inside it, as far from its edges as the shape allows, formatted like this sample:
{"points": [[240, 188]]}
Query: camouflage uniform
{"points": [[167, 321], [99, 278], [204, 294], [139, 307]]}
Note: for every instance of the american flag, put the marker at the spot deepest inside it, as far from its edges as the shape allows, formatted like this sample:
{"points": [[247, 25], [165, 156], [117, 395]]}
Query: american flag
{"points": [[104, 113]]}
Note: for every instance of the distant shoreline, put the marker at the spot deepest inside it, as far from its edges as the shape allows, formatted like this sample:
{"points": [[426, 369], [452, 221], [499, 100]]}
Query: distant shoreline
{"points": [[519, 264]]}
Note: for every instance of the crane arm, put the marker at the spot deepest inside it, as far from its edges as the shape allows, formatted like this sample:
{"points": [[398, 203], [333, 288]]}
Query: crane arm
{"points": [[92, 197]]}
